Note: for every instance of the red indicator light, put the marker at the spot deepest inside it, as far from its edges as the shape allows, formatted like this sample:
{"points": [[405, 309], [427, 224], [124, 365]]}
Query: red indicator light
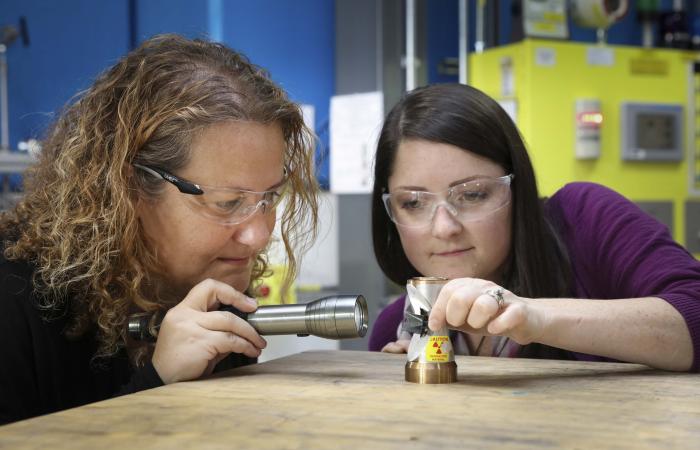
{"points": [[590, 118]]}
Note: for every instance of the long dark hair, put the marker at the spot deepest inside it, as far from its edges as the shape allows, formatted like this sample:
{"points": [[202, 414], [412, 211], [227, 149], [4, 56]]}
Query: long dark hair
{"points": [[467, 118]]}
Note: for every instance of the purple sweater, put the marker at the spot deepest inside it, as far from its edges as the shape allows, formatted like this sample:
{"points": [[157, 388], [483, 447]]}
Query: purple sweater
{"points": [[616, 251]]}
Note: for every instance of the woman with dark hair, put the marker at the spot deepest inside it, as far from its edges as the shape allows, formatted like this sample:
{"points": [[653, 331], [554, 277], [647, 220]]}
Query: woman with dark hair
{"points": [[156, 193], [455, 196]]}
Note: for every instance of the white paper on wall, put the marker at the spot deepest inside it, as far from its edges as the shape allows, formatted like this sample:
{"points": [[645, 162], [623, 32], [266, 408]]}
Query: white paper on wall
{"points": [[320, 266], [355, 123]]}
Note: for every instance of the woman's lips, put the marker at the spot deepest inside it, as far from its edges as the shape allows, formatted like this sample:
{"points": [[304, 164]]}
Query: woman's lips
{"points": [[243, 261], [457, 252]]}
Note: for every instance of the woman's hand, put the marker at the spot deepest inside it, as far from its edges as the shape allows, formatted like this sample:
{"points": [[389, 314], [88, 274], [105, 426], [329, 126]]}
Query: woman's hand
{"points": [[466, 305], [400, 346], [194, 336]]}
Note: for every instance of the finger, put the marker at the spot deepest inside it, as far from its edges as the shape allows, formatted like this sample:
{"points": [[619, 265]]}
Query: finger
{"points": [[229, 322], [225, 343], [454, 301], [437, 318], [467, 329], [484, 309], [460, 304], [209, 294], [212, 364], [403, 343], [393, 347], [510, 318]]}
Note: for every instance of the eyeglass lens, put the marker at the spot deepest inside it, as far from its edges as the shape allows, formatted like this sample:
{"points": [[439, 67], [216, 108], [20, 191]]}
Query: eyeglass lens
{"points": [[468, 201]]}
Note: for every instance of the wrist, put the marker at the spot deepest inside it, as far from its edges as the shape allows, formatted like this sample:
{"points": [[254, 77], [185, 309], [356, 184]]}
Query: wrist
{"points": [[538, 319], [160, 370]]}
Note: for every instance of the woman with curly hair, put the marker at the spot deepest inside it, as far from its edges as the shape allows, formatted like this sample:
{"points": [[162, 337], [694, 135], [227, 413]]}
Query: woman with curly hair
{"points": [[157, 191]]}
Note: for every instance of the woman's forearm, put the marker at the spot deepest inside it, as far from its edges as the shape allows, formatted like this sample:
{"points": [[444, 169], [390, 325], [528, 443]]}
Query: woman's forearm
{"points": [[642, 330]]}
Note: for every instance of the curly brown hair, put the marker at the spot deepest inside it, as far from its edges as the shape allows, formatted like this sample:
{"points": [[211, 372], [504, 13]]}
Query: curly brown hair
{"points": [[77, 222]]}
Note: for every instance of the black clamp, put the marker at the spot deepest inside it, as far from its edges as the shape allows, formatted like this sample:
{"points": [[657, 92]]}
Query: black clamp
{"points": [[416, 323]]}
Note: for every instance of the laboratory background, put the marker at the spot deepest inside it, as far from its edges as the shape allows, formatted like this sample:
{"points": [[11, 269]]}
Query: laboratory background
{"points": [[610, 98]]}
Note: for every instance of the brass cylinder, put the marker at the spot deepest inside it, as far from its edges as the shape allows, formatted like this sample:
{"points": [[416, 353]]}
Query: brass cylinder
{"points": [[431, 373]]}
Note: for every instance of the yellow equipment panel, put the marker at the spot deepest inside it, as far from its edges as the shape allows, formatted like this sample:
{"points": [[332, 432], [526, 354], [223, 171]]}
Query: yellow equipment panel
{"points": [[541, 80]]}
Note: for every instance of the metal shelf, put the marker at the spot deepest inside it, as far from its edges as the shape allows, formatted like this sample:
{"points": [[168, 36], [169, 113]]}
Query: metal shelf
{"points": [[15, 162]]}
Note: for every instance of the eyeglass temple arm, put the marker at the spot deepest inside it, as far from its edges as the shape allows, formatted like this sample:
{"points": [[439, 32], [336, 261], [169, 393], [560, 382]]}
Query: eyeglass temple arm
{"points": [[181, 185]]}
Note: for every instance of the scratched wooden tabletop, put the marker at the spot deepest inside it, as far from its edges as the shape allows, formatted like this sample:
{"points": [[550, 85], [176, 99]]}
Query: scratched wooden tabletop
{"points": [[342, 399]]}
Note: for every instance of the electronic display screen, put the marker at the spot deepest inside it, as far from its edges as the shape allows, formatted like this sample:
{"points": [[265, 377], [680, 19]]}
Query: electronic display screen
{"points": [[656, 131]]}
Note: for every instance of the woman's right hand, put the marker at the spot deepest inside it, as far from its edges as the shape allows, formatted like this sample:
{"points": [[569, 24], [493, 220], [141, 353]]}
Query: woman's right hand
{"points": [[400, 346], [194, 336]]}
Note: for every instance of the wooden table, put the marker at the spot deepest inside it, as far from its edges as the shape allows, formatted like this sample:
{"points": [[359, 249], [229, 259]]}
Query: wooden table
{"points": [[359, 400]]}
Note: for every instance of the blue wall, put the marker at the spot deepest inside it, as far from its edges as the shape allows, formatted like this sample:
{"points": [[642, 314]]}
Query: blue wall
{"points": [[442, 30], [295, 41], [72, 41], [186, 17]]}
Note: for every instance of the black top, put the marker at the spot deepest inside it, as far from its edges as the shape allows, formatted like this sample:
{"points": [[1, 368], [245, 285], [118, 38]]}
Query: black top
{"points": [[41, 371]]}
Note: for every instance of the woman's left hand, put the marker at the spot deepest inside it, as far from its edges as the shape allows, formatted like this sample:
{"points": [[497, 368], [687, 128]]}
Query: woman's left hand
{"points": [[474, 306]]}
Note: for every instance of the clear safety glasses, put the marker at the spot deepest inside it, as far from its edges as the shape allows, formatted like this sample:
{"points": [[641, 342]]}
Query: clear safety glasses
{"points": [[227, 206], [468, 201]]}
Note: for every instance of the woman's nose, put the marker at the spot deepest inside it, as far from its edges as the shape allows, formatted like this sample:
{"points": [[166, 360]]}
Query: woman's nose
{"points": [[255, 232], [445, 223]]}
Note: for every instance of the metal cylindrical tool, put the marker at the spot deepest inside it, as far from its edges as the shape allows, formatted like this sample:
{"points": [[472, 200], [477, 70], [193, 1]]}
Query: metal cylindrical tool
{"points": [[430, 353], [334, 317]]}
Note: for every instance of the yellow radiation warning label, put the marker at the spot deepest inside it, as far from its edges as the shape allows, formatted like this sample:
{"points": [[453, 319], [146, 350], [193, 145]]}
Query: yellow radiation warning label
{"points": [[437, 349]]}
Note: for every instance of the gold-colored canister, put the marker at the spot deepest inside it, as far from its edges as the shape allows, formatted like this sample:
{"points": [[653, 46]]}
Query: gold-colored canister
{"points": [[431, 358]]}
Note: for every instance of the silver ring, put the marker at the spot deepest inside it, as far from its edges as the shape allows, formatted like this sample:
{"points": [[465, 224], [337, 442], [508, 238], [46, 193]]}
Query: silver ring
{"points": [[497, 294]]}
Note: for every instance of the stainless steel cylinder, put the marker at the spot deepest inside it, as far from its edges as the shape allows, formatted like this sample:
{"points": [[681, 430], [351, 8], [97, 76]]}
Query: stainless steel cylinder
{"points": [[279, 319], [334, 317], [430, 287]]}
